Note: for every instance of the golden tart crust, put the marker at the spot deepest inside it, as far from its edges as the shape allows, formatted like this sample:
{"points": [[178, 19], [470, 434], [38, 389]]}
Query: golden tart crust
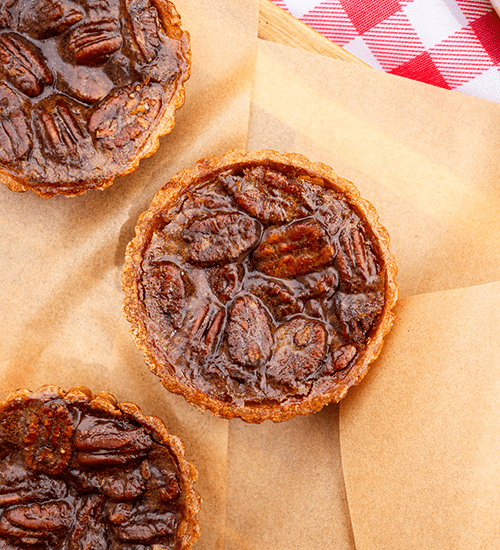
{"points": [[259, 285], [86, 90], [80, 470]]}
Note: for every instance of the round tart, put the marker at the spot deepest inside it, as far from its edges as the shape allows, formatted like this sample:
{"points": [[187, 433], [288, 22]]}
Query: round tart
{"points": [[259, 285], [86, 90], [80, 471]]}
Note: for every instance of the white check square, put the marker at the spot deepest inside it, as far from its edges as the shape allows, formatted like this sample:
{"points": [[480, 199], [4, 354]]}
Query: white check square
{"points": [[435, 20], [484, 86]]}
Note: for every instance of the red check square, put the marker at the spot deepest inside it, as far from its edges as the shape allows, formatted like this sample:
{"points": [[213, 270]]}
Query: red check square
{"points": [[487, 30], [365, 15], [421, 68]]}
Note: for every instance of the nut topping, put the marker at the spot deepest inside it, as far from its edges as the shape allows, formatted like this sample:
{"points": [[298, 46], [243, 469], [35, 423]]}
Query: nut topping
{"points": [[147, 527], [145, 28], [23, 65], [122, 119], [48, 439], [33, 522], [249, 336], [124, 485], [94, 42], [47, 18], [225, 280], [60, 132], [205, 330], [106, 443], [85, 473], [292, 250], [164, 292], [267, 195], [299, 350], [340, 358], [221, 238], [357, 313], [277, 296], [16, 138], [99, 81], [355, 260]]}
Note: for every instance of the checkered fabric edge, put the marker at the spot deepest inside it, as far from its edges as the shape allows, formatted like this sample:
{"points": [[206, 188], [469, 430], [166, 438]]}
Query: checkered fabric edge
{"points": [[453, 44]]}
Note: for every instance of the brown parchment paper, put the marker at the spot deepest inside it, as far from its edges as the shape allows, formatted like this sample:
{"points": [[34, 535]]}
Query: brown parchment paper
{"points": [[421, 439], [61, 259], [426, 158]]}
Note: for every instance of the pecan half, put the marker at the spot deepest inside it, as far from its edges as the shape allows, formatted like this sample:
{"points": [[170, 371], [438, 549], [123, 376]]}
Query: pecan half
{"points": [[151, 43], [145, 27], [164, 294], [357, 313], [47, 18], [107, 443], [16, 137], [92, 43], [221, 238], [205, 329], [248, 332], [355, 260], [168, 486], [300, 345], [48, 436], [35, 522], [277, 297], [267, 195], [320, 284], [225, 280], [60, 132], [147, 526], [340, 358], [124, 485], [295, 249], [200, 203], [161, 479], [23, 65], [126, 116]]}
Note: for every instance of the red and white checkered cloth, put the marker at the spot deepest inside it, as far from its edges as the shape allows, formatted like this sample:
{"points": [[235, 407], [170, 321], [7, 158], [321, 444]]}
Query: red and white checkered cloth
{"points": [[453, 44]]}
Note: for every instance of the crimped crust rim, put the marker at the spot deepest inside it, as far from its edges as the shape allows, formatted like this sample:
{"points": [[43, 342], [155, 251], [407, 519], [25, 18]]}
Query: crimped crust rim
{"points": [[189, 528], [203, 171], [164, 126]]}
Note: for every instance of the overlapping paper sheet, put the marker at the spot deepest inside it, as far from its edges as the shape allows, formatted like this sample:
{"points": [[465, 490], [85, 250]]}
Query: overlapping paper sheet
{"points": [[409, 459]]}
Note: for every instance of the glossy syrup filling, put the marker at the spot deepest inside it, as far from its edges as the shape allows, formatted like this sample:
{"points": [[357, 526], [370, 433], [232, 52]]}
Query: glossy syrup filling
{"points": [[83, 85], [74, 478]]}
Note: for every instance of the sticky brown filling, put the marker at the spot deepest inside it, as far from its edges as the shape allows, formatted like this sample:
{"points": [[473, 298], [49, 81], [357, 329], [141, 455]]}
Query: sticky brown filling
{"points": [[259, 284], [83, 86], [72, 478]]}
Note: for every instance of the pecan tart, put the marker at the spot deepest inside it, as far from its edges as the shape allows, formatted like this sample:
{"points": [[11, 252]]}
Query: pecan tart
{"points": [[259, 285], [86, 89], [80, 471]]}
